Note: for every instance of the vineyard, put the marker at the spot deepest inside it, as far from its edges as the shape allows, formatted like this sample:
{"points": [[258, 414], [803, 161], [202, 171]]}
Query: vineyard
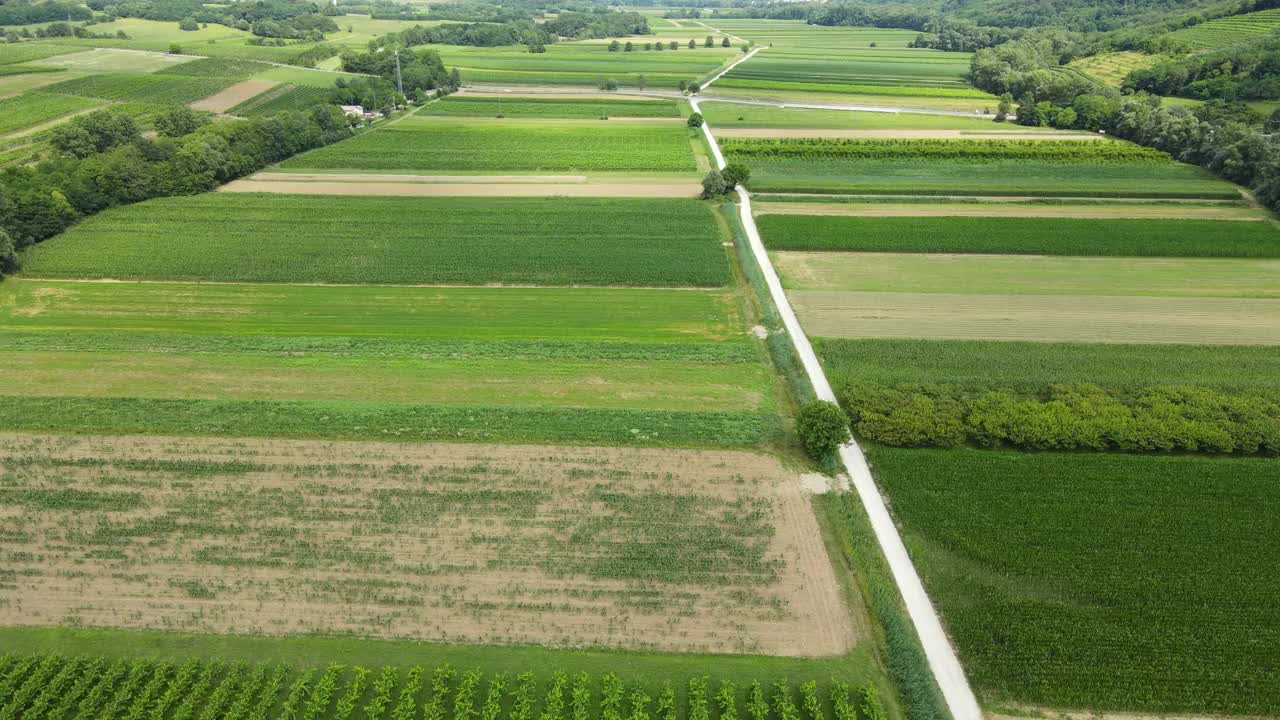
{"points": [[224, 67], [445, 144], [1228, 30], [102, 688], [895, 70], [1130, 557], [552, 108], [464, 543], [524, 241], [36, 108], [1065, 151], [279, 99], [143, 88], [1112, 68], [1030, 235], [569, 63]]}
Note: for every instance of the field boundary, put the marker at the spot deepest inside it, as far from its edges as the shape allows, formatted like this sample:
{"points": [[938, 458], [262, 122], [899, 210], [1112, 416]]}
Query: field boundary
{"points": [[941, 655]]}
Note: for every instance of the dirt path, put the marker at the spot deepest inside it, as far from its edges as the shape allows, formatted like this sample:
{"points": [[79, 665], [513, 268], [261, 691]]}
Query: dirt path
{"points": [[470, 189], [904, 134], [1008, 209], [226, 99]]}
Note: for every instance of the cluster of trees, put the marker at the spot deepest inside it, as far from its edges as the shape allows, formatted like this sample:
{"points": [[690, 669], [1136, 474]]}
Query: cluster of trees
{"points": [[629, 46], [518, 32], [599, 23], [1067, 417], [289, 19], [420, 71], [59, 29], [723, 182], [1247, 71], [1031, 67], [102, 159], [23, 12]]}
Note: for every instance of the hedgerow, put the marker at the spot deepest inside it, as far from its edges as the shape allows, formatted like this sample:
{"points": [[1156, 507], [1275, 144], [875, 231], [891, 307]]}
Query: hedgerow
{"points": [[1073, 151], [1066, 417]]}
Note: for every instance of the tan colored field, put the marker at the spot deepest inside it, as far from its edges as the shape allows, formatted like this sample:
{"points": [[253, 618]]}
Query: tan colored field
{"points": [[471, 186], [668, 549], [1044, 318], [1118, 210], [904, 134], [233, 96]]}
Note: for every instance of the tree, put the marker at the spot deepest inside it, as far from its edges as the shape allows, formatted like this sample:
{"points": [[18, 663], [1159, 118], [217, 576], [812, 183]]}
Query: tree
{"points": [[693, 88], [1004, 108], [673, 45], [648, 46], [607, 84], [713, 185], [693, 44], [615, 46], [175, 49], [724, 42], [657, 46], [178, 121], [710, 42], [823, 428], [695, 120], [642, 81], [736, 174], [628, 47], [1029, 112], [1272, 125], [8, 254], [188, 24]]}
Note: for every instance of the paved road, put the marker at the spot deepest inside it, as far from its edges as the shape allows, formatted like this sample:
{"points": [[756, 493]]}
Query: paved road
{"points": [[933, 638]]}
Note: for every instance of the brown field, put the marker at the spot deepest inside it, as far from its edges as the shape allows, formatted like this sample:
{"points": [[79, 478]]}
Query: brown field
{"points": [[471, 186], [1115, 211], [904, 134], [676, 550], [233, 96], [1042, 318]]}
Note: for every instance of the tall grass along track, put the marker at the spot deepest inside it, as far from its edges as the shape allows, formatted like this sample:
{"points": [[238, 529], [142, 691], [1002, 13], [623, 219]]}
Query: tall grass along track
{"points": [[942, 657]]}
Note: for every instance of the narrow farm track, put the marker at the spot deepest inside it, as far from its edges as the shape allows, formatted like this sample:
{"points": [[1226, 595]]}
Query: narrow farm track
{"points": [[942, 657]]}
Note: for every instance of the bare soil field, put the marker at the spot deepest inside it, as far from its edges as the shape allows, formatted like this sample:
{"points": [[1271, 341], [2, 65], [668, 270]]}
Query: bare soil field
{"points": [[476, 186], [233, 96], [903, 134], [1117, 211], [676, 550], [1042, 318]]}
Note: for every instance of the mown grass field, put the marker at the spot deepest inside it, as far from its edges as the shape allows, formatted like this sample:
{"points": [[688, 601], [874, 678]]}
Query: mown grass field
{"points": [[422, 143], [1030, 367], [532, 107], [1030, 274], [112, 60], [1056, 572], [584, 63], [1033, 236], [539, 241], [996, 177], [29, 51]]}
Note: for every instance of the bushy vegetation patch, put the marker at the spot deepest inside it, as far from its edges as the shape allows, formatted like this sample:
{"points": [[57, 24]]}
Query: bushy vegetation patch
{"points": [[1066, 417], [426, 144], [552, 107], [1032, 236], [1114, 582], [283, 238]]}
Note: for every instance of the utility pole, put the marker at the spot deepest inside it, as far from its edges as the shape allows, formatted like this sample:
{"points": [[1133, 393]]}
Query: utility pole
{"points": [[399, 82]]}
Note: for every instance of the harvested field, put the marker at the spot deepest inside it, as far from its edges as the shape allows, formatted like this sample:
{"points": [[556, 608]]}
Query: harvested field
{"points": [[472, 187], [923, 134], [1044, 318], [233, 96], [993, 208], [466, 543]]}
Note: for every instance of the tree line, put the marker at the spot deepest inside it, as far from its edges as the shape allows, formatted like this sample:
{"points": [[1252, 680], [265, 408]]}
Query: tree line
{"points": [[102, 159]]}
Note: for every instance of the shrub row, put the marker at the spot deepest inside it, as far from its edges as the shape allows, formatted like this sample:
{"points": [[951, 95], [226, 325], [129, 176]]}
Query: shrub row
{"points": [[1066, 417], [1091, 151]]}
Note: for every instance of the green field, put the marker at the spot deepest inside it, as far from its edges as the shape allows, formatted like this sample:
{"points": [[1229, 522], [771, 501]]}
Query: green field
{"points": [[1010, 235], [995, 177], [586, 108], [111, 60], [584, 63], [978, 365], [731, 115], [281, 98], [154, 88], [1100, 581], [1030, 274], [419, 143], [283, 238], [28, 51], [796, 34], [33, 109], [1228, 30], [221, 67], [869, 72]]}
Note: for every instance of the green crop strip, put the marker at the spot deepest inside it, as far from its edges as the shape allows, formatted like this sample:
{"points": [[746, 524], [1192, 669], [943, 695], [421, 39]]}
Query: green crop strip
{"points": [[552, 108]]}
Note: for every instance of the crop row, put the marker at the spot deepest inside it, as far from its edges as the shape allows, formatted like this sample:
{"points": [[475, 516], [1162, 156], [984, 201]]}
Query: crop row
{"points": [[84, 688], [860, 88], [220, 67], [1089, 151], [552, 108], [1229, 30], [426, 144], [140, 87], [33, 109], [279, 99]]}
